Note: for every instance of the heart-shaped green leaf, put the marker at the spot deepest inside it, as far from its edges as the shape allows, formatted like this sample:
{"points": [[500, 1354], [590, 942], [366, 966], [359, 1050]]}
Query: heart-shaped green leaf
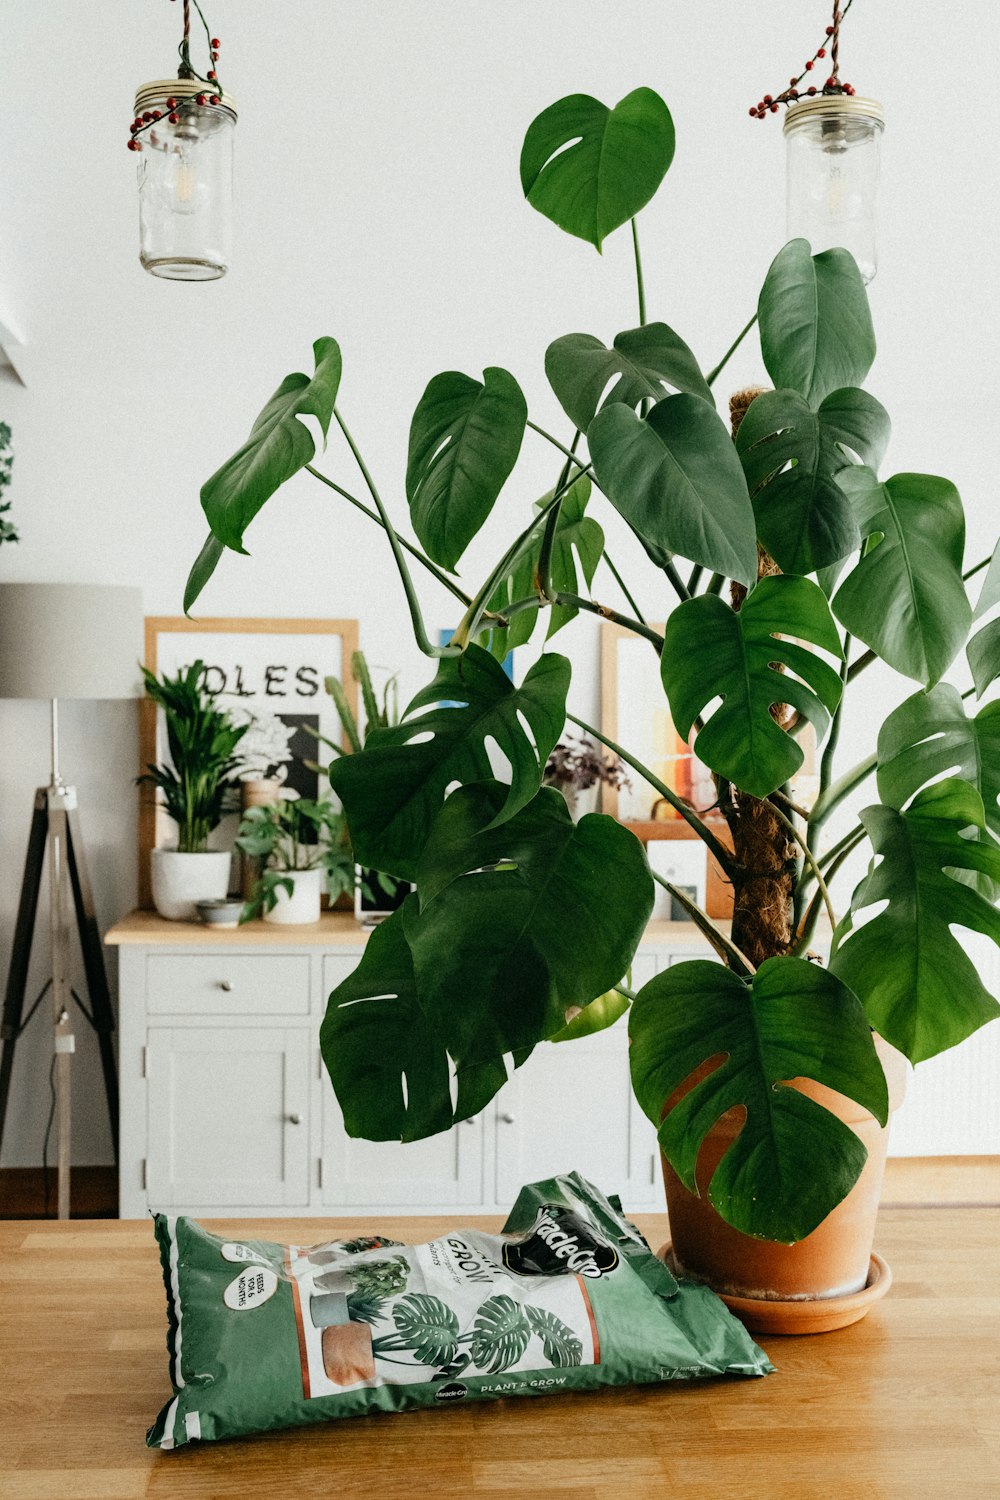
{"points": [[278, 446], [906, 599], [589, 168], [919, 987], [644, 363], [464, 440], [527, 906], [576, 551], [677, 481], [793, 1161], [791, 456], [394, 788], [816, 332], [711, 650]]}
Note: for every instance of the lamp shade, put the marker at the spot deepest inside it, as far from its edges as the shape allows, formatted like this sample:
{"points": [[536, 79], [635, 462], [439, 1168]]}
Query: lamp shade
{"points": [[70, 640]]}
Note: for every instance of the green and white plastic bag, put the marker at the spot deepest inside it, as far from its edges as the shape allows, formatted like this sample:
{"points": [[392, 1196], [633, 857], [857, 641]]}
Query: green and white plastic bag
{"points": [[568, 1297]]}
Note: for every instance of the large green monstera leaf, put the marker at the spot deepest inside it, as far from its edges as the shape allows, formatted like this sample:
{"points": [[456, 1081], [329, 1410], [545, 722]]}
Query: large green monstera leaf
{"points": [[279, 445], [464, 440], [713, 651], [528, 908], [930, 734], [589, 168], [792, 1161], [675, 477], [906, 598], [919, 988], [816, 332], [576, 551], [645, 364], [394, 788], [791, 456]]}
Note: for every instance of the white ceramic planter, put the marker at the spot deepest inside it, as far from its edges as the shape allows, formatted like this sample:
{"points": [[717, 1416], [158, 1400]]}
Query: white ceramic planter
{"points": [[302, 906], [181, 880]]}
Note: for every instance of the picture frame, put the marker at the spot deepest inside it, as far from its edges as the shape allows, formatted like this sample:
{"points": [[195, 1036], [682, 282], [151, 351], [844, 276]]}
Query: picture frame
{"points": [[269, 667]]}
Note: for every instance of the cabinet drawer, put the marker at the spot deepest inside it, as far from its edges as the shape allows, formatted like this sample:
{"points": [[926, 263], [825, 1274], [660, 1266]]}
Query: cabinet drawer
{"points": [[220, 984]]}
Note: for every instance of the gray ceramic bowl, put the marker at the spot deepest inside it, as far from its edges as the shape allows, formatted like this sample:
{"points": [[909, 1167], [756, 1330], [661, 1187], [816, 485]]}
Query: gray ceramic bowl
{"points": [[224, 913]]}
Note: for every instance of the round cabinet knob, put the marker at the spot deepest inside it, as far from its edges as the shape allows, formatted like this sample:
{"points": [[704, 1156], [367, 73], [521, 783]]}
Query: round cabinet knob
{"points": [[507, 1119], [294, 1119], [226, 985]]}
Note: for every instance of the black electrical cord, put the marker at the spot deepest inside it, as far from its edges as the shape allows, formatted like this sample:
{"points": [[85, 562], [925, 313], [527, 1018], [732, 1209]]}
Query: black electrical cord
{"points": [[48, 1132]]}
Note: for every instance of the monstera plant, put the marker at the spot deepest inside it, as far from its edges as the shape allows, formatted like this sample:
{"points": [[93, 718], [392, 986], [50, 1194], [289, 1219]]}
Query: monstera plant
{"points": [[795, 565]]}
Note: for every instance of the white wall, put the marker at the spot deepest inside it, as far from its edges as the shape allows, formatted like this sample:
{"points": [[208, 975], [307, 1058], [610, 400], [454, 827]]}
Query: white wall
{"points": [[378, 200]]}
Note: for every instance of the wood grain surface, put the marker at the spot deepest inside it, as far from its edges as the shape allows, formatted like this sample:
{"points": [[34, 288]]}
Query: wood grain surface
{"points": [[901, 1406]]}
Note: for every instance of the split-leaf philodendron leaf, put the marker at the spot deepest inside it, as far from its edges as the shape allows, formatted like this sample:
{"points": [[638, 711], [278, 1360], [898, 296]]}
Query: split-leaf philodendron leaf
{"points": [[816, 332], [644, 363], [711, 650], [464, 440], [905, 598], [983, 655], [791, 456], [589, 168], [792, 1161], [676, 479], [919, 987], [393, 790], [576, 551]]}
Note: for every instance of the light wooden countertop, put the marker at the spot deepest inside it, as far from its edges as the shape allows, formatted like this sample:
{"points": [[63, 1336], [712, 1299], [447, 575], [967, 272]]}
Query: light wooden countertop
{"points": [[334, 929], [900, 1406]]}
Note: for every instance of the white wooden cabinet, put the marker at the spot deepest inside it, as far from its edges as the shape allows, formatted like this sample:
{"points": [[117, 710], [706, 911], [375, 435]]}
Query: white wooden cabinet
{"points": [[226, 1108]]}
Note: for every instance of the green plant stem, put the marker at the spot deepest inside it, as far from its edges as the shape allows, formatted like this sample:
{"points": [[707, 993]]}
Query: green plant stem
{"points": [[809, 857], [421, 557], [977, 569], [567, 452], [724, 947], [416, 618], [544, 571], [864, 660], [694, 578], [830, 749], [713, 375], [638, 275], [808, 926], [842, 847], [639, 627], [715, 583], [691, 818], [606, 556], [803, 812], [676, 581], [840, 789]]}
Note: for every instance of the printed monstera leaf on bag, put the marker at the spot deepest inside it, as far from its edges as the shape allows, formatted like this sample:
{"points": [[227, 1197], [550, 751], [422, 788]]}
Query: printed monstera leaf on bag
{"points": [[786, 565]]}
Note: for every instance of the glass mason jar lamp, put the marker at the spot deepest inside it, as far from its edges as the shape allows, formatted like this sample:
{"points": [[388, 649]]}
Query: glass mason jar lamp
{"points": [[185, 181], [833, 145]]}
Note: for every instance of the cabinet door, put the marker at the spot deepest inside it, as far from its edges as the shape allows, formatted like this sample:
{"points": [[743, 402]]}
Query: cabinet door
{"points": [[228, 1116], [431, 1174]]}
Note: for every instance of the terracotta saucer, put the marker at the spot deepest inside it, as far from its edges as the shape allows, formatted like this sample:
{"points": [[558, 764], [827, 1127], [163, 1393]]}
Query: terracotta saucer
{"points": [[805, 1315]]}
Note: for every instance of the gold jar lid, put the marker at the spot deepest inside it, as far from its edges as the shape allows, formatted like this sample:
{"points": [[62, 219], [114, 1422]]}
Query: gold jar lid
{"points": [[162, 89], [825, 105]]}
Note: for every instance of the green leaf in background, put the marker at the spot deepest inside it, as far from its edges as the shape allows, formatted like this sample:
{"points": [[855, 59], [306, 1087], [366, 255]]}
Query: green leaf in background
{"points": [[989, 595], [390, 1073], [531, 908], [905, 598], [598, 1015], [278, 446], [464, 440], [816, 332], [711, 650], [983, 656], [793, 1161], [393, 790], [675, 478], [919, 987], [791, 456], [202, 569], [644, 363], [576, 551], [589, 168]]}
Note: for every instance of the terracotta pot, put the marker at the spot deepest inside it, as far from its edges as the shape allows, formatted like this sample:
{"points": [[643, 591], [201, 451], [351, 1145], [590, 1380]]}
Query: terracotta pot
{"points": [[834, 1262]]}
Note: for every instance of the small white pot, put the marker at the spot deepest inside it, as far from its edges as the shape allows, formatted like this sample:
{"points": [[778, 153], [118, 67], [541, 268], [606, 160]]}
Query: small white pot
{"points": [[302, 905], [182, 880]]}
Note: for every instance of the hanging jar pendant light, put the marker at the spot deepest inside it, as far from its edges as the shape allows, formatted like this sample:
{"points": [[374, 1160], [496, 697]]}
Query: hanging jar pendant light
{"points": [[833, 141], [183, 132]]}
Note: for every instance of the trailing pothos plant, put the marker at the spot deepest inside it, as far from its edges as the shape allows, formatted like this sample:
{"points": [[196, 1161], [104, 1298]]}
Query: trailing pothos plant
{"points": [[795, 564]]}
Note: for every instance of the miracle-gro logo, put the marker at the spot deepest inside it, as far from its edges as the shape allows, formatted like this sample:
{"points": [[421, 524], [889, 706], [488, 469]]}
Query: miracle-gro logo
{"points": [[560, 1243]]}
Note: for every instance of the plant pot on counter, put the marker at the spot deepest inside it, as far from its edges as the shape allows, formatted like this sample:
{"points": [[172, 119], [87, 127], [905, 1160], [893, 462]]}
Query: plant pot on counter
{"points": [[825, 1281], [302, 906], [180, 881]]}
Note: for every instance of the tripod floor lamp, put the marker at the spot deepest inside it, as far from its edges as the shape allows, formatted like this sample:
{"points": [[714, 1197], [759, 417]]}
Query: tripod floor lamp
{"points": [[63, 640]]}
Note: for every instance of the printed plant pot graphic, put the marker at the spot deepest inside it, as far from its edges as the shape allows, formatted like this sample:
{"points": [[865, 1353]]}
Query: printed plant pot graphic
{"points": [[348, 1358]]}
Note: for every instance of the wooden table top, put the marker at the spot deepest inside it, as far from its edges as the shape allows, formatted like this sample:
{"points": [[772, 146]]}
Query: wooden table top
{"points": [[903, 1405]]}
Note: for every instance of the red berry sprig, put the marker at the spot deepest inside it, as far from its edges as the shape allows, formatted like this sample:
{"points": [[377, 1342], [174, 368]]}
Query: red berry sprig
{"points": [[769, 104], [176, 108]]}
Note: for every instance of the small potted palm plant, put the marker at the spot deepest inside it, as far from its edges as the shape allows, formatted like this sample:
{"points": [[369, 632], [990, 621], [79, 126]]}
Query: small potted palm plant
{"points": [[305, 852], [203, 742]]}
